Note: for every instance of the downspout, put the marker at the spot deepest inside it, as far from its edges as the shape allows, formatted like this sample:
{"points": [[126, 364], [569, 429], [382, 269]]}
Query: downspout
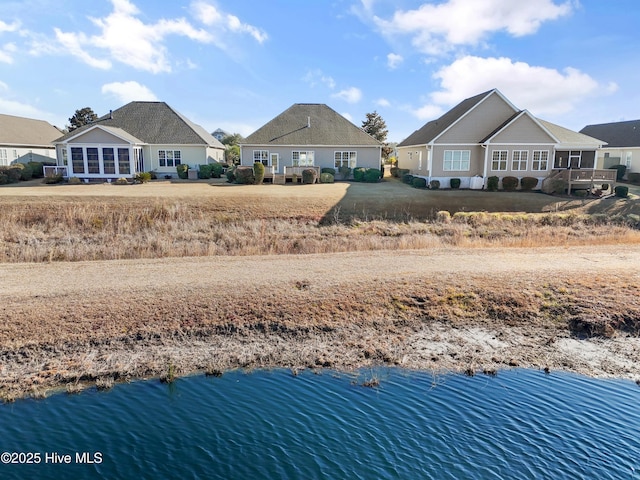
{"points": [[429, 162], [486, 160]]}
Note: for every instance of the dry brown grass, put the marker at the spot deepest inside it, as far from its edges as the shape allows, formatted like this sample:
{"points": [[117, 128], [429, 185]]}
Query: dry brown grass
{"points": [[101, 229]]}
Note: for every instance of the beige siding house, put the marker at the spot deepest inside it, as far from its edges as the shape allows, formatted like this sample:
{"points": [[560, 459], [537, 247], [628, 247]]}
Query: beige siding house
{"points": [[138, 137], [622, 144], [486, 135], [310, 135], [25, 140]]}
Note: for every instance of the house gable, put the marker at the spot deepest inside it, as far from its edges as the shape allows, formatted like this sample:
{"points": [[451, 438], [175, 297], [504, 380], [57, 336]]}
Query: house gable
{"points": [[521, 128], [103, 135]]}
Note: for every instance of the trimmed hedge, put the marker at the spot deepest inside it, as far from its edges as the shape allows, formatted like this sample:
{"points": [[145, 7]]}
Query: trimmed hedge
{"points": [[326, 178], [528, 183], [622, 191], [183, 170], [244, 175], [358, 174], [216, 170], [434, 184], [510, 183], [454, 183], [330, 170], [620, 171], [258, 173], [372, 175], [407, 178], [492, 183], [205, 171], [345, 172], [418, 182], [401, 172], [309, 176]]}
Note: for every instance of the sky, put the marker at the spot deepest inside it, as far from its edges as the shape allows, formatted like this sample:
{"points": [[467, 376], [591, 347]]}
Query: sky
{"points": [[237, 64]]}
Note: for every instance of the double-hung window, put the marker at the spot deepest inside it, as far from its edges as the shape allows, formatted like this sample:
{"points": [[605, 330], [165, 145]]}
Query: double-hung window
{"points": [[302, 159], [457, 160], [261, 156], [169, 158], [519, 160], [345, 159], [499, 160], [77, 159], [540, 160]]}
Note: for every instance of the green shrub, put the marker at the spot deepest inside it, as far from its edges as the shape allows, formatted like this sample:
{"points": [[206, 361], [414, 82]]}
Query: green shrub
{"points": [[330, 170], [4, 179], [620, 171], [418, 182], [27, 173], [580, 193], [401, 172], [528, 183], [394, 171], [142, 177], [153, 175], [37, 169], [53, 179], [358, 174], [74, 181], [510, 183], [455, 183], [407, 178], [244, 175], [309, 176], [345, 172], [258, 173], [554, 185], [622, 191], [492, 183], [204, 171], [372, 175], [121, 181], [326, 178], [216, 170], [434, 184], [183, 171], [14, 172], [634, 177], [231, 174]]}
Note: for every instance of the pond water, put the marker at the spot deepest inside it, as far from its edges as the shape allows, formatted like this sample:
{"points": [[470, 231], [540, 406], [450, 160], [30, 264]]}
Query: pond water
{"points": [[270, 424]]}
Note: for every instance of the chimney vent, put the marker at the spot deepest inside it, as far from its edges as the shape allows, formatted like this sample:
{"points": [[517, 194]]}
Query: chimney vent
{"points": [[308, 122]]}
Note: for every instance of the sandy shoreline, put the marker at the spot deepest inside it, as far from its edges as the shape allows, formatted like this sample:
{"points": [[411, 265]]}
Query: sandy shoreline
{"points": [[469, 310]]}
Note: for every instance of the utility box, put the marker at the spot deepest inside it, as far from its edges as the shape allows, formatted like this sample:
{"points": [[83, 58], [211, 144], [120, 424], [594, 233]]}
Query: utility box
{"points": [[476, 183], [192, 174]]}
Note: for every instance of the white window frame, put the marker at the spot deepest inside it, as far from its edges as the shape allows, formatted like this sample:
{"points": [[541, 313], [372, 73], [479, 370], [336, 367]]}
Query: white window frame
{"points": [[3, 157], [261, 156], [174, 161], [518, 159], [499, 160], [345, 159], [456, 160], [302, 158], [540, 160], [628, 158]]}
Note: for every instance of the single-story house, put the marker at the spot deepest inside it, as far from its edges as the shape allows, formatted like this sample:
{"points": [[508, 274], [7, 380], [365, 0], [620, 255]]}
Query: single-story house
{"points": [[486, 135], [138, 137], [623, 143], [26, 140], [310, 135]]}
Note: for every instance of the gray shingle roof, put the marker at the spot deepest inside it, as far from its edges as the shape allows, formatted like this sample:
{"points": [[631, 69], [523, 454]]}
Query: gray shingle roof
{"points": [[616, 134], [153, 123], [21, 131], [326, 127], [564, 135], [432, 129]]}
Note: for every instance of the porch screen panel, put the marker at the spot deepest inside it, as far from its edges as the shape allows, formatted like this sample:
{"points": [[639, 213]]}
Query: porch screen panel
{"points": [[109, 160], [77, 160], [123, 161], [93, 162], [588, 159]]}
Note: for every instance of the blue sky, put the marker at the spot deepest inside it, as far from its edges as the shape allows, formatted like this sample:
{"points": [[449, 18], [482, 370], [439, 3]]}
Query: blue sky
{"points": [[237, 64]]}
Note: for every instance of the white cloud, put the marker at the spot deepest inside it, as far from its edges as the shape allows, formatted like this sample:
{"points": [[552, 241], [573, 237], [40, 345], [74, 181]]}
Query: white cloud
{"points": [[438, 28], [130, 91], [72, 43], [6, 52], [383, 102], [349, 95], [212, 16], [12, 106], [347, 116], [538, 89], [315, 77], [394, 60], [428, 112], [9, 27]]}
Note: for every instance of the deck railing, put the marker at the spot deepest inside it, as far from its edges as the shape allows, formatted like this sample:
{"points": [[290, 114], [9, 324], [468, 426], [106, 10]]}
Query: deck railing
{"points": [[52, 170]]}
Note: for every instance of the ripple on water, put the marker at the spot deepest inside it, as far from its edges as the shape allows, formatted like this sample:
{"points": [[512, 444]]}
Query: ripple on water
{"points": [[520, 424]]}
